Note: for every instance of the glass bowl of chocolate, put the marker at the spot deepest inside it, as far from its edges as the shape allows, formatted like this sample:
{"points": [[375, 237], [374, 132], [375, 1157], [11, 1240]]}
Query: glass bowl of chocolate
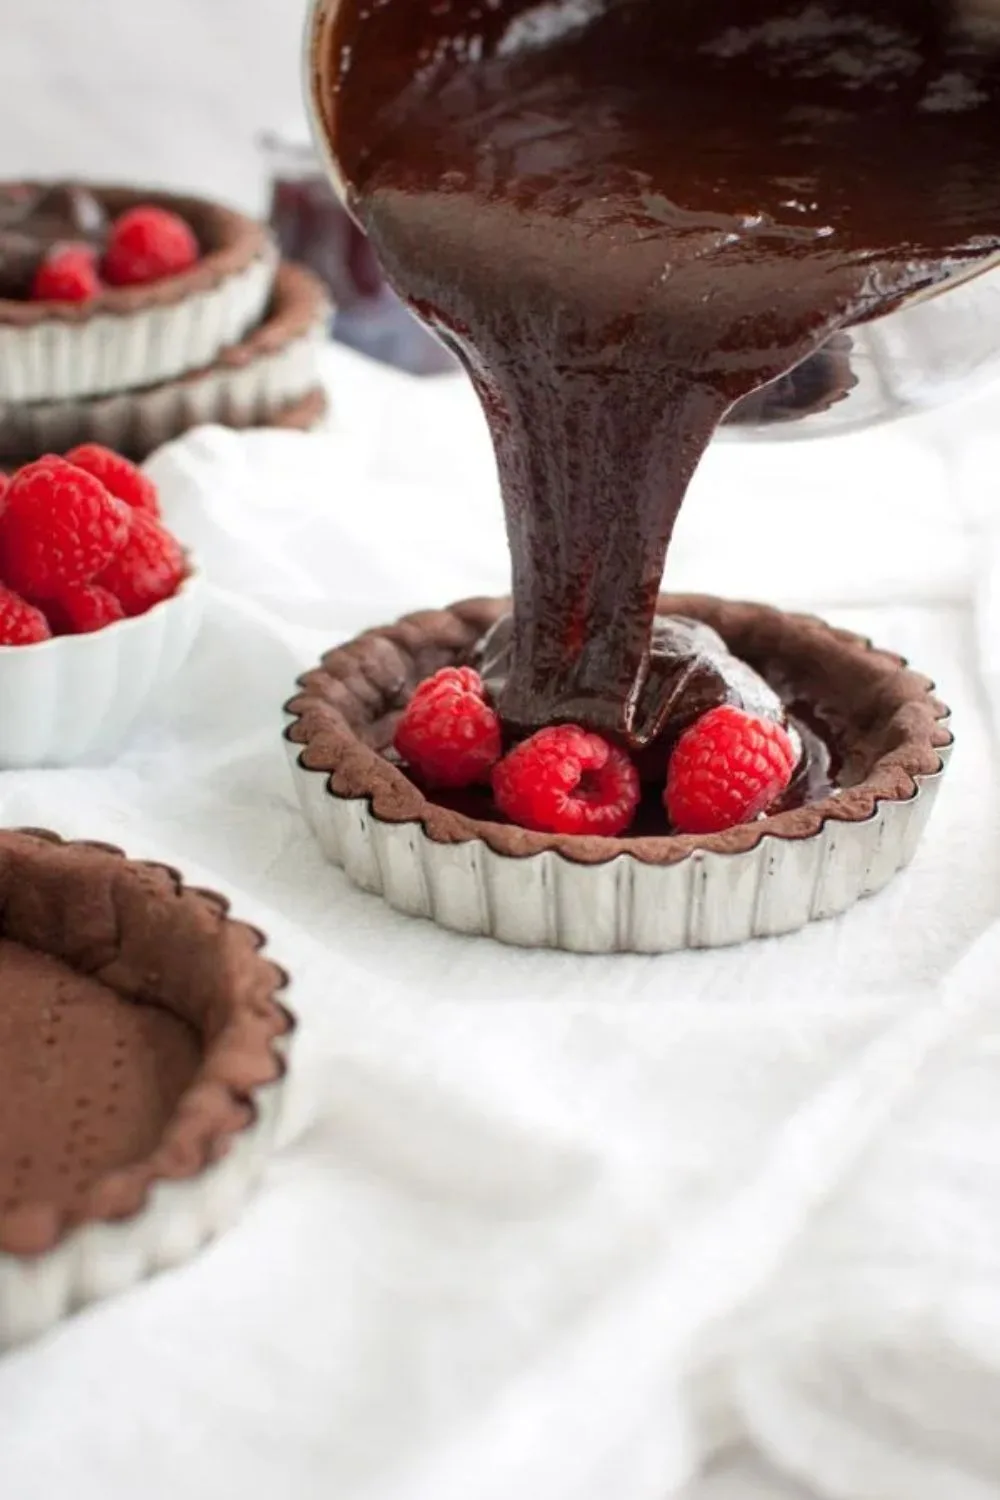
{"points": [[905, 339], [637, 226]]}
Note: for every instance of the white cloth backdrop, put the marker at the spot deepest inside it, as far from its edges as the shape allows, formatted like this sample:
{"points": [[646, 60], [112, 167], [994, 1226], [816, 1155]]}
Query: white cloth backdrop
{"points": [[543, 1225], [540, 1226], [169, 92]]}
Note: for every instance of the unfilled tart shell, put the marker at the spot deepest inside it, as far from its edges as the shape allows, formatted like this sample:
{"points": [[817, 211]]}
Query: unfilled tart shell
{"points": [[139, 1027]]}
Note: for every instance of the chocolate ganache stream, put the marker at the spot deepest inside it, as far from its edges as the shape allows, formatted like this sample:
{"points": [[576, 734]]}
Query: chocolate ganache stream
{"points": [[626, 216]]}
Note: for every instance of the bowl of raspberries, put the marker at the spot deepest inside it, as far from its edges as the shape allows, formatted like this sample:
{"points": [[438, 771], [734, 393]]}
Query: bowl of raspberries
{"points": [[99, 606]]}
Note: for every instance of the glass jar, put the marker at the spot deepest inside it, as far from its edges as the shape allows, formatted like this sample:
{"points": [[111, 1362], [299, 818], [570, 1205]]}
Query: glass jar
{"points": [[313, 228]]}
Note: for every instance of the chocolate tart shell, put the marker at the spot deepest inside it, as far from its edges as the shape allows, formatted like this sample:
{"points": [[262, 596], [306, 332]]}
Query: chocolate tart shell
{"points": [[253, 382], [116, 1184], [772, 875], [135, 336], [229, 242]]}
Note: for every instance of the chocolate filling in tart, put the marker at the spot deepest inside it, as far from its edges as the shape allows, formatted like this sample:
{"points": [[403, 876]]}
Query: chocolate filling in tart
{"points": [[34, 217], [869, 726], [136, 1022]]}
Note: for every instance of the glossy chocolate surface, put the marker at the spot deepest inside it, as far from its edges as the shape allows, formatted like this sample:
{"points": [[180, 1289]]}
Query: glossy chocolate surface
{"points": [[628, 217], [691, 672], [34, 220], [879, 728]]}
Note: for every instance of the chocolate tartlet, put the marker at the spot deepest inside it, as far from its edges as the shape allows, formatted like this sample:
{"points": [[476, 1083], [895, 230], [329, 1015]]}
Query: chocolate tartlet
{"points": [[142, 1053], [251, 383], [131, 336], [887, 734]]}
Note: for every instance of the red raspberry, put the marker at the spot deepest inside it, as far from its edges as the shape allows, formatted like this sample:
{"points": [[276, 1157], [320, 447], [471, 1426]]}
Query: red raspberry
{"points": [[58, 526], [4, 486], [83, 608], [565, 780], [456, 679], [20, 623], [148, 569], [148, 244], [123, 479], [727, 769], [449, 733], [67, 274]]}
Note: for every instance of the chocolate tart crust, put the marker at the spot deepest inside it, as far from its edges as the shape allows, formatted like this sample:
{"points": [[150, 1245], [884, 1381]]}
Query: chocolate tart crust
{"points": [[890, 727], [229, 241], [115, 936], [298, 303], [303, 415], [297, 312]]}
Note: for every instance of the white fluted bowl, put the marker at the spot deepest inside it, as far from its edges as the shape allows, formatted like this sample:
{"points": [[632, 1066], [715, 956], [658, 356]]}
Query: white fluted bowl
{"points": [[75, 699]]}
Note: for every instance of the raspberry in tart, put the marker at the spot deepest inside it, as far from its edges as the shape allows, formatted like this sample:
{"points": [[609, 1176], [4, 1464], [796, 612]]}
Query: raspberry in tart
{"points": [[868, 736], [270, 377]]}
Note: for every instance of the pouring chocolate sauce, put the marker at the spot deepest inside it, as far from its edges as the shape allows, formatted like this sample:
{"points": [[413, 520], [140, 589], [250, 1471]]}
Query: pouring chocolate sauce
{"points": [[626, 217]]}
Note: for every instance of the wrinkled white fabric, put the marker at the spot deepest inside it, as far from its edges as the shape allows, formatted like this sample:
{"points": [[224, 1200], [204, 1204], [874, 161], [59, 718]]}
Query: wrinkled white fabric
{"points": [[546, 1226]]}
